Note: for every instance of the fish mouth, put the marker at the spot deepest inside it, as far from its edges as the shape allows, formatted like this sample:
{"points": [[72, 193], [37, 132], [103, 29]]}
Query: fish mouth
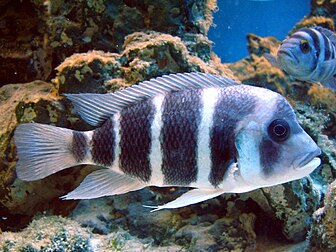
{"points": [[287, 54], [309, 161]]}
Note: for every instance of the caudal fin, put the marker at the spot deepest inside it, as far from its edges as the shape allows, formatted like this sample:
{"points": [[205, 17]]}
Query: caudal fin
{"points": [[43, 150]]}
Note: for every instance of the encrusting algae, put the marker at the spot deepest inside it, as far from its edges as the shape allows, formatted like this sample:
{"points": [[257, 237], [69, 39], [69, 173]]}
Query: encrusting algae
{"points": [[48, 233]]}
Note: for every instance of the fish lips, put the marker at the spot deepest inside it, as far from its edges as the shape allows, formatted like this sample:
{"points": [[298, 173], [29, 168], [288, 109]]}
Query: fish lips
{"points": [[309, 161], [287, 54]]}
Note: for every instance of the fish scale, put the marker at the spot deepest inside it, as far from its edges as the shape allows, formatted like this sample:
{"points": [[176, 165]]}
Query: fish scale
{"points": [[79, 146], [198, 130], [180, 120], [135, 140], [103, 144]]}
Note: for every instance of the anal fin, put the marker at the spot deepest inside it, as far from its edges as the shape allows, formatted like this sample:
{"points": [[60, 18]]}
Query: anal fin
{"points": [[191, 197], [104, 182]]}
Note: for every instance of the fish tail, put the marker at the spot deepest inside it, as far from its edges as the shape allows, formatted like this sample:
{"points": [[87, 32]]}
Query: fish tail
{"points": [[44, 150]]}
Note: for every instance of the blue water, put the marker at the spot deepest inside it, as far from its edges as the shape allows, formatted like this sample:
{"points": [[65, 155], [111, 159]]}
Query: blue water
{"points": [[236, 18]]}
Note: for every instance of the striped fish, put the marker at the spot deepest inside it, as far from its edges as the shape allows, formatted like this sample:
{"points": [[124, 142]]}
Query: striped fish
{"points": [[193, 129], [308, 55]]}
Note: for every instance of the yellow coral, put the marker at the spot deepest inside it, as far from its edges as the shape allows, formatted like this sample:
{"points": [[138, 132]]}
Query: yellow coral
{"points": [[325, 97]]}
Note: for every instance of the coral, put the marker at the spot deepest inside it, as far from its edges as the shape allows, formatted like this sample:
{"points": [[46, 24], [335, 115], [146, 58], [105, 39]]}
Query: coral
{"points": [[322, 14], [55, 30], [196, 230], [323, 8], [225, 233], [87, 72], [324, 97], [51, 233], [315, 122], [258, 45], [322, 236], [293, 204], [314, 21], [55, 233], [24, 54], [144, 55], [198, 45], [16, 106]]}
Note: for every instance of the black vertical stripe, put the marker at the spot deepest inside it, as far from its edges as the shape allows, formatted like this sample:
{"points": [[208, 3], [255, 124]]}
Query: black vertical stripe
{"points": [[231, 107], [269, 149], [333, 48], [181, 117], [314, 36], [103, 144], [269, 155], [327, 47], [316, 42], [135, 139], [79, 146]]}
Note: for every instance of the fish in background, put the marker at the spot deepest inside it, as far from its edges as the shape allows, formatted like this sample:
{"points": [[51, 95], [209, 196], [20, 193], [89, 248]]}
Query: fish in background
{"points": [[308, 55], [193, 129]]}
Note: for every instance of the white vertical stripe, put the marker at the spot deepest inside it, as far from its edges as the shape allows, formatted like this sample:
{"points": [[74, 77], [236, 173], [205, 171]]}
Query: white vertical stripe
{"points": [[88, 156], [318, 73], [116, 122], [209, 98], [328, 70], [332, 70], [322, 45], [266, 106], [333, 48], [155, 153]]}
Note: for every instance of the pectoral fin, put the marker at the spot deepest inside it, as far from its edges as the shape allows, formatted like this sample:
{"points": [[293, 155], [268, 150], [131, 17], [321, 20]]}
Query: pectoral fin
{"points": [[272, 60], [331, 82], [191, 197], [326, 65]]}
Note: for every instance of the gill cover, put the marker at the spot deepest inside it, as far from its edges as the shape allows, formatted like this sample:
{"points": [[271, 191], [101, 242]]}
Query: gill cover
{"points": [[273, 148]]}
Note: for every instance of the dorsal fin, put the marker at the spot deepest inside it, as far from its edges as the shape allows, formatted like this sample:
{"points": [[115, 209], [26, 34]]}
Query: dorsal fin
{"points": [[97, 108]]}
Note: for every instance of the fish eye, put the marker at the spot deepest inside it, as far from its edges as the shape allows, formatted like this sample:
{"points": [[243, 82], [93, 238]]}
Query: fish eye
{"points": [[278, 130], [304, 46]]}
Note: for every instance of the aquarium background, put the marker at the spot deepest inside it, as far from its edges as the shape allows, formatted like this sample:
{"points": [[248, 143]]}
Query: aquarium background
{"points": [[48, 48], [236, 18]]}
